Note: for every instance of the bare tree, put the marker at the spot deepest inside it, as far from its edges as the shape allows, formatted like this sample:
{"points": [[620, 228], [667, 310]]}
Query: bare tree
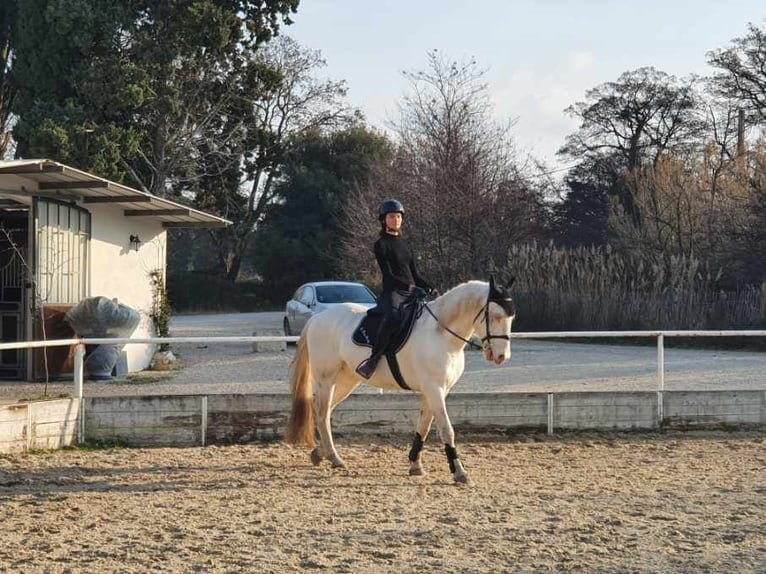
{"points": [[636, 118], [299, 102], [685, 209], [458, 173], [241, 155], [742, 72]]}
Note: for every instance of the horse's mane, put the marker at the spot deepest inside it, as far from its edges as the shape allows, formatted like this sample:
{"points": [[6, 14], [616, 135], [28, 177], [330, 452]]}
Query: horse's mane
{"points": [[454, 302]]}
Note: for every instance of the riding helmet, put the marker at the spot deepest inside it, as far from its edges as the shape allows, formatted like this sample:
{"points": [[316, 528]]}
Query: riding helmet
{"points": [[390, 206]]}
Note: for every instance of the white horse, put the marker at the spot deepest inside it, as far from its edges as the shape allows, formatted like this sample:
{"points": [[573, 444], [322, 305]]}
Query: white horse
{"points": [[431, 362]]}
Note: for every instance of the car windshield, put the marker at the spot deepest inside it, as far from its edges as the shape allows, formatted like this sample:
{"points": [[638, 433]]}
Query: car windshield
{"points": [[344, 294]]}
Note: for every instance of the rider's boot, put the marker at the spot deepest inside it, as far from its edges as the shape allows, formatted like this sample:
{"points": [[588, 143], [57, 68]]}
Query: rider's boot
{"points": [[367, 367]]}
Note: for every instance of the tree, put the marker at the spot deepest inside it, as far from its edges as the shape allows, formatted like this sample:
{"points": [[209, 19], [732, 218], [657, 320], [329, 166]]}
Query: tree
{"points": [[742, 72], [745, 234], [295, 103], [185, 98], [581, 218], [125, 88], [456, 170], [689, 210], [625, 125], [636, 119], [50, 38], [301, 236], [7, 90]]}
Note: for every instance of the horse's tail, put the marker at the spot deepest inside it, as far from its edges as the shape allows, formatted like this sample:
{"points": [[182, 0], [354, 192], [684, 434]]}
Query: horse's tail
{"points": [[300, 428]]}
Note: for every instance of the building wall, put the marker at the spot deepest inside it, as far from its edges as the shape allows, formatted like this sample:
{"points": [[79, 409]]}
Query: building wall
{"points": [[118, 270]]}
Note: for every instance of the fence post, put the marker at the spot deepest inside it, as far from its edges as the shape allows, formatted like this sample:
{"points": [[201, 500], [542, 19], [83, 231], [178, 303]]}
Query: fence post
{"points": [[79, 369], [203, 418], [79, 376], [550, 413], [30, 430], [660, 379]]}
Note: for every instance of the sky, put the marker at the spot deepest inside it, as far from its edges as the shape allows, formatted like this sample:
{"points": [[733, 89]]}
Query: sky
{"points": [[540, 56]]}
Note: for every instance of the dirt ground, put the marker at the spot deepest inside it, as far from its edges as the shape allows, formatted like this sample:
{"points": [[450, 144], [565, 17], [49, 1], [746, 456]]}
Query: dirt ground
{"points": [[677, 502]]}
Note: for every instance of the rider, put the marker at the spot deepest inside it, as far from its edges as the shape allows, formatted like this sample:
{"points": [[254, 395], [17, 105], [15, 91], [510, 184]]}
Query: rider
{"points": [[400, 279]]}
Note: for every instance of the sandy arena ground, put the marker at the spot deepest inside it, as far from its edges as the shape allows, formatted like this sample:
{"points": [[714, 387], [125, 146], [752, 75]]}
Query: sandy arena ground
{"points": [[679, 502]]}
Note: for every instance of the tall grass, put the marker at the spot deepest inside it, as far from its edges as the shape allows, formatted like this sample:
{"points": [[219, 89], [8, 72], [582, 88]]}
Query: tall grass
{"points": [[598, 289]]}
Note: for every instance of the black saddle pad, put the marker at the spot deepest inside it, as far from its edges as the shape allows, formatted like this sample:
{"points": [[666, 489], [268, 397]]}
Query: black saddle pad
{"points": [[365, 333]]}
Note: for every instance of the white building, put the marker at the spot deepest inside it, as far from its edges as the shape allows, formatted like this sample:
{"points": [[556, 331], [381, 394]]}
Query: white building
{"points": [[66, 234]]}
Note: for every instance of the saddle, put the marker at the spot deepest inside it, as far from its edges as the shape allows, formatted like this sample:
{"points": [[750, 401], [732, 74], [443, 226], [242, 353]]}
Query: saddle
{"points": [[364, 334]]}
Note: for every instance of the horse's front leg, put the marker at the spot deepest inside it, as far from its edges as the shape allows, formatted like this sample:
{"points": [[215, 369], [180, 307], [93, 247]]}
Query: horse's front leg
{"points": [[436, 403], [424, 426]]}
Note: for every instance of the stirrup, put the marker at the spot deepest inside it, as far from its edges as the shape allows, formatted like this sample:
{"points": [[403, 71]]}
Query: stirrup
{"points": [[366, 369]]}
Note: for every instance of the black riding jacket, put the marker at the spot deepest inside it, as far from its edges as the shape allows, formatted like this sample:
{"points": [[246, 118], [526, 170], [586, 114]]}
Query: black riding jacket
{"points": [[397, 264]]}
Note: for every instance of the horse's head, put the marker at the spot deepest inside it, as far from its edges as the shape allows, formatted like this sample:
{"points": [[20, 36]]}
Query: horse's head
{"points": [[494, 327]]}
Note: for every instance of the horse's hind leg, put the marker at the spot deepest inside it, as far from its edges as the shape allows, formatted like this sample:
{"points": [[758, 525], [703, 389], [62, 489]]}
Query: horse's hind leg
{"points": [[323, 400], [424, 426], [329, 396]]}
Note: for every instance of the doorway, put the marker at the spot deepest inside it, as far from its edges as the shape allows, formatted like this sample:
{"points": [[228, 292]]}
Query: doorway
{"points": [[60, 247]]}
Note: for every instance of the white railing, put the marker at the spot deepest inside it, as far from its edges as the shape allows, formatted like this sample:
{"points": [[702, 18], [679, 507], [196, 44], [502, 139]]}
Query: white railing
{"points": [[81, 342], [626, 334], [79, 363]]}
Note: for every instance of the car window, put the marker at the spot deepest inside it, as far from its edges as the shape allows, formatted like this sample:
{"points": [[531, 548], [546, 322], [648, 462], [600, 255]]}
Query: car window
{"points": [[344, 294], [297, 294], [308, 296]]}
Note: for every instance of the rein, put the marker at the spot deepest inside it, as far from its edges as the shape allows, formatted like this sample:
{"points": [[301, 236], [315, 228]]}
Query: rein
{"points": [[471, 343], [485, 310]]}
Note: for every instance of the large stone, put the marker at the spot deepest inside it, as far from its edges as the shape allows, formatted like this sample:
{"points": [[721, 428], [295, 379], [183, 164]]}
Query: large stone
{"points": [[269, 346], [163, 361]]}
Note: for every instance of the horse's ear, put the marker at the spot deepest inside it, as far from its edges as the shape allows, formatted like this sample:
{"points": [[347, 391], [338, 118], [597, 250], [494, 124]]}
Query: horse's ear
{"points": [[511, 279], [491, 282]]}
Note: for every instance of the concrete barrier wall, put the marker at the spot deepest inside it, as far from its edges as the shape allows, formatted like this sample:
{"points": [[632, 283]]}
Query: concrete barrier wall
{"points": [[701, 408], [39, 425], [243, 418], [467, 411], [14, 424], [218, 419], [605, 410], [145, 421]]}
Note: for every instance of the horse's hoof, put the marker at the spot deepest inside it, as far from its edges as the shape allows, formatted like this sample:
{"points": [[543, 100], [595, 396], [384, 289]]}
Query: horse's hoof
{"points": [[417, 471], [316, 457], [463, 479], [338, 463]]}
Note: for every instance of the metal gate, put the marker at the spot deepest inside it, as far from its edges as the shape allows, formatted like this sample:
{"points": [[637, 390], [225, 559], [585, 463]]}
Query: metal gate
{"points": [[14, 274]]}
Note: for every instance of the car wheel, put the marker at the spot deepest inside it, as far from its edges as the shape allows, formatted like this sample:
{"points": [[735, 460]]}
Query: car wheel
{"points": [[288, 331]]}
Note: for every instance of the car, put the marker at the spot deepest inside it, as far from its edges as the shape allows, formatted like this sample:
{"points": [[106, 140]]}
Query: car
{"points": [[312, 298]]}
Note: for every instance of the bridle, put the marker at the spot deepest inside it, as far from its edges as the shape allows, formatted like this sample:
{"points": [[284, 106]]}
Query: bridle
{"points": [[489, 335], [485, 309]]}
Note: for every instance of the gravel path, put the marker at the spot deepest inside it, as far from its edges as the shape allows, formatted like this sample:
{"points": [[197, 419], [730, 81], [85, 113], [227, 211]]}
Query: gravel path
{"points": [[536, 366]]}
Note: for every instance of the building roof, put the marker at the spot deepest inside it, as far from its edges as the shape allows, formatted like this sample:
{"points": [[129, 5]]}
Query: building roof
{"points": [[43, 177]]}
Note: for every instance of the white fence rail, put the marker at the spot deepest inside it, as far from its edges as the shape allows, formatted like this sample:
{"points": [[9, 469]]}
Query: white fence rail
{"points": [[201, 419], [659, 335]]}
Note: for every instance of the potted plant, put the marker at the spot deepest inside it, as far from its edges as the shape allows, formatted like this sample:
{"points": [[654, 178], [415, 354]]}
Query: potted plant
{"points": [[160, 313]]}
